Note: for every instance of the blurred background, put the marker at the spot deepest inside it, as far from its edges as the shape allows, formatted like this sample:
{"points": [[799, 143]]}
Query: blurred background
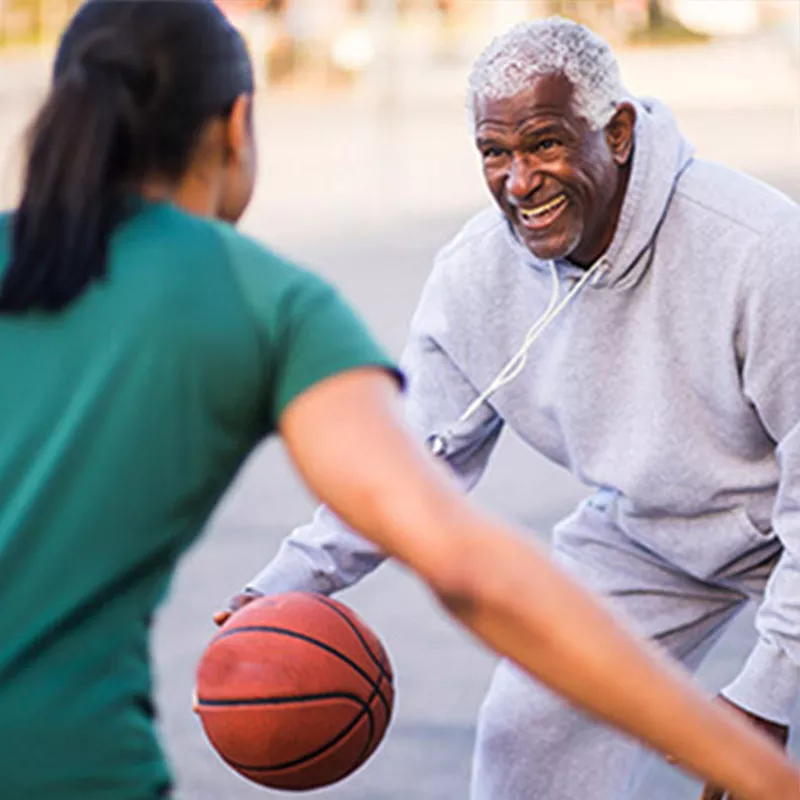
{"points": [[366, 170]]}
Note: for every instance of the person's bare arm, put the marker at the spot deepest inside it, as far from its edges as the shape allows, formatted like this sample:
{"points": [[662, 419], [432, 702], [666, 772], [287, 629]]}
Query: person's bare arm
{"points": [[347, 438]]}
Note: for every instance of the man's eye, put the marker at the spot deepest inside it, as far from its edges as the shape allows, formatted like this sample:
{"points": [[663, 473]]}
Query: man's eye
{"points": [[493, 152], [547, 144]]}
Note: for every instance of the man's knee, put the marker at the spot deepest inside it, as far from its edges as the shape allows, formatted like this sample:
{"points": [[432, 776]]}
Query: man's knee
{"points": [[520, 713], [532, 744]]}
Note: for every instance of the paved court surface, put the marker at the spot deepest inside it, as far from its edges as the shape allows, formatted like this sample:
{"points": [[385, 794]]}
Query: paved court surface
{"points": [[365, 191]]}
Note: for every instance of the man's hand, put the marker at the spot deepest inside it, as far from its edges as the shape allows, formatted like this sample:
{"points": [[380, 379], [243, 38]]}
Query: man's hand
{"points": [[237, 601], [779, 733]]}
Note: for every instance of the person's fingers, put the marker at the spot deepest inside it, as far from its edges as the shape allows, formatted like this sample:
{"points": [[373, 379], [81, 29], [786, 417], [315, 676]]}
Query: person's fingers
{"points": [[221, 617], [243, 598], [237, 601], [195, 706]]}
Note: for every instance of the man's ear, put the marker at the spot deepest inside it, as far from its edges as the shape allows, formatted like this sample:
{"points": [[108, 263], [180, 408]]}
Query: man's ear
{"points": [[619, 133]]}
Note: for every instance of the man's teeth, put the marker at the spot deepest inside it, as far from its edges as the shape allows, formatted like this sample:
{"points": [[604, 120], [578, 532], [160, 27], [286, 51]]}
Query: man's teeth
{"points": [[531, 213]]}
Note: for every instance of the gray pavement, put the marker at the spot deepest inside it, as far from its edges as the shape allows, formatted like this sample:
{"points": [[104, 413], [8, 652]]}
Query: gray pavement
{"points": [[365, 186]]}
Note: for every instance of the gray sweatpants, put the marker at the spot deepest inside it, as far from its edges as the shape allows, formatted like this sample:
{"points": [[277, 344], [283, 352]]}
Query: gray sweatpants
{"points": [[530, 744]]}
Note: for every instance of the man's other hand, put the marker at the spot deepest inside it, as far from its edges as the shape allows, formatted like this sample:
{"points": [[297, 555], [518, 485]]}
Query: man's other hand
{"points": [[237, 602]]}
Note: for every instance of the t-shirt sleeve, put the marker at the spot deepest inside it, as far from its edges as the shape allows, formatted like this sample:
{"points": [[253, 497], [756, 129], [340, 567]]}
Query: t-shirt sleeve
{"points": [[319, 336], [306, 331]]}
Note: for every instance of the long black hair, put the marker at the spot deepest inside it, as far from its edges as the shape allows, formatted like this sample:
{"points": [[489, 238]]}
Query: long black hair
{"points": [[134, 83]]}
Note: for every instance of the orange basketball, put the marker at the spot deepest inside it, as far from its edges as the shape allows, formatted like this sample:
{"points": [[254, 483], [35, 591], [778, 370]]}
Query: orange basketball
{"points": [[295, 691]]}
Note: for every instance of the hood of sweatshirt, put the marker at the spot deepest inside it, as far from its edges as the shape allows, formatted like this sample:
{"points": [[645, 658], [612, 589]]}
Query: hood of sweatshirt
{"points": [[661, 155]]}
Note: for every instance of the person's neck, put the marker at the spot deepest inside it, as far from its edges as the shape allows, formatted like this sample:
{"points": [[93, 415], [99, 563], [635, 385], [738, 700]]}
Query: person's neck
{"points": [[190, 195]]}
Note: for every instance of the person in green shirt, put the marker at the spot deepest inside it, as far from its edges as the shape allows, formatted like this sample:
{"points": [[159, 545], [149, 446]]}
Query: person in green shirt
{"points": [[146, 348]]}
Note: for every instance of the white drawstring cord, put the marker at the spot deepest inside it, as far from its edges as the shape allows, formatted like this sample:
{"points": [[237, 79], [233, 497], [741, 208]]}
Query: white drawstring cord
{"points": [[517, 362]]}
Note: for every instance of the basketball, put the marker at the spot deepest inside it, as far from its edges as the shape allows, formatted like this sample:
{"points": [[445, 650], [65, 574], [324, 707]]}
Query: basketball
{"points": [[295, 692]]}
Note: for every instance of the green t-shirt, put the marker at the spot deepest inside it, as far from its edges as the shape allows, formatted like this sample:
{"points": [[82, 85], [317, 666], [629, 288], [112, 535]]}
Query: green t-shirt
{"points": [[122, 422]]}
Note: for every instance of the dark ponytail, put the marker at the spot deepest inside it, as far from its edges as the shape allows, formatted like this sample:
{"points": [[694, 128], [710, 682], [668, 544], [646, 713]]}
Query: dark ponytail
{"points": [[135, 81], [81, 145]]}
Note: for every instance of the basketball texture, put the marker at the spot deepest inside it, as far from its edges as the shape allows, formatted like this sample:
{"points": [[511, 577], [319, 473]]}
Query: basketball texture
{"points": [[295, 692]]}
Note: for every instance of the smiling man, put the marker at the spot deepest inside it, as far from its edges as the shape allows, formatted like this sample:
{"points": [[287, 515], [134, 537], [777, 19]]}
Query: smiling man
{"points": [[630, 311], [560, 183]]}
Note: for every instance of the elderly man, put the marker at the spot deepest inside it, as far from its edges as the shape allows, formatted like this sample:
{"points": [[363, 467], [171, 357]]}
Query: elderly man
{"points": [[630, 311]]}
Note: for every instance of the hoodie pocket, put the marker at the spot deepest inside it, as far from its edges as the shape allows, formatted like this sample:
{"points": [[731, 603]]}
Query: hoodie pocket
{"points": [[704, 546], [750, 529]]}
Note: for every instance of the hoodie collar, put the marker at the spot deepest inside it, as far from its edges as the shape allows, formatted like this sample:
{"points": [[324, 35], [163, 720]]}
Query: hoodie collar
{"points": [[660, 157]]}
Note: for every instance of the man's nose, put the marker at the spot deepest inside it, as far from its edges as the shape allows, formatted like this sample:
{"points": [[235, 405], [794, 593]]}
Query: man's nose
{"points": [[524, 178]]}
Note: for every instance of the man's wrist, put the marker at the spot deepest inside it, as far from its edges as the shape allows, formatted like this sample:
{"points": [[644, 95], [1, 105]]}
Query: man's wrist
{"points": [[768, 686], [775, 730]]}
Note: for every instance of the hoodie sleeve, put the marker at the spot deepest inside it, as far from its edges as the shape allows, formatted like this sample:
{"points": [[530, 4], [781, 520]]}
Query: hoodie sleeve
{"points": [[769, 683], [325, 556]]}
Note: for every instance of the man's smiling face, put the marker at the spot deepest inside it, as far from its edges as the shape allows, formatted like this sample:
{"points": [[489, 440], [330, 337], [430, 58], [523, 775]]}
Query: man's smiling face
{"points": [[558, 181]]}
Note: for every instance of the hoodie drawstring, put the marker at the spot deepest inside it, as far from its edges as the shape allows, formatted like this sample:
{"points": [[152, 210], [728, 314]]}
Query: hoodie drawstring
{"points": [[438, 443]]}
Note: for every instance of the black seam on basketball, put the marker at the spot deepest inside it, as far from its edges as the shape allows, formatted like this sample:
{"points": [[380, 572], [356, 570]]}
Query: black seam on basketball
{"points": [[295, 635], [375, 692], [365, 709], [279, 701], [378, 663], [384, 672]]}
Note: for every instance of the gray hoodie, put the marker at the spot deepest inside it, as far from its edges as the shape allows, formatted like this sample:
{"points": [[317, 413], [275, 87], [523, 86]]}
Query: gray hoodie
{"points": [[671, 383]]}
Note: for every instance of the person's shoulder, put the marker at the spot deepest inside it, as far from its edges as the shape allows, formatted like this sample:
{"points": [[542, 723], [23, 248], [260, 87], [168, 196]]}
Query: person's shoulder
{"points": [[479, 264], [475, 256], [481, 233], [214, 247], [213, 240], [261, 269], [274, 287], [759, 227], [741, 200], [248, 253]]}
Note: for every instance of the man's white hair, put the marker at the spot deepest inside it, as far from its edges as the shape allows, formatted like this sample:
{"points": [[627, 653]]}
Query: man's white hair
{"points": [[550, 46]]}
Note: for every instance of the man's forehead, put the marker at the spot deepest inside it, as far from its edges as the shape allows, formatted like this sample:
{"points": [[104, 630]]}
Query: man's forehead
{"points": [[549, 96]]}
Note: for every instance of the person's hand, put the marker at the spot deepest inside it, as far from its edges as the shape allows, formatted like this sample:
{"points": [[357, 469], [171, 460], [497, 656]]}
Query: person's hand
{"points": [[237, 601], [780, 733]]}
